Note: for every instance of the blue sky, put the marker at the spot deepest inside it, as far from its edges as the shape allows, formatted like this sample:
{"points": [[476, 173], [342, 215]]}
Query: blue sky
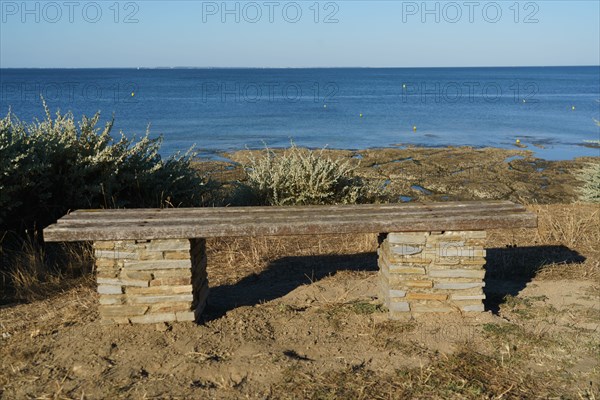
{"points": [[343, 33]]}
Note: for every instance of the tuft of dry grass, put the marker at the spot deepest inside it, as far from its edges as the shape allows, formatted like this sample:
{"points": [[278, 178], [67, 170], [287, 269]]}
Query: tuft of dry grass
{"points": [[251, 255], [564, 246], [32, 271], [573, 225]]}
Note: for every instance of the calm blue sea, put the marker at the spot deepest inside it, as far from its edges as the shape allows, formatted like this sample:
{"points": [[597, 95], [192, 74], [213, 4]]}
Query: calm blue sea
{"points": [[229, 109]]}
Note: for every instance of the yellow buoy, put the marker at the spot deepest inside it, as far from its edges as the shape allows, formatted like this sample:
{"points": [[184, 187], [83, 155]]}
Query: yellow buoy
{"points": [[517, 141], [572, 108], [132, 94], [414, 128], [360, 115]]}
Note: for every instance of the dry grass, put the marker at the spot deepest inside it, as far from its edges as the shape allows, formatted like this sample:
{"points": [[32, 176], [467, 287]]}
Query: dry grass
{"points": [[236, 258], [30, 271], [564, 246], [465, 374], [572, 225]]}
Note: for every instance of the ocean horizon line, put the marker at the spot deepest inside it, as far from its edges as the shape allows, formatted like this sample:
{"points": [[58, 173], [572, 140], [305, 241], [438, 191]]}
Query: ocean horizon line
{"points": [[294, 68]]}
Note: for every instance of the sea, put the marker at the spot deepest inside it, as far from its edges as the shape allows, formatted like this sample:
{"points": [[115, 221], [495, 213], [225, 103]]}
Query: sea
{"points": [[549, 110]]}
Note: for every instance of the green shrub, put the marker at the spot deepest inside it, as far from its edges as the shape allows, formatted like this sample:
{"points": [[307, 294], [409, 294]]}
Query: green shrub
{"points": [[52, 166], [298, 176], [590, 175]]}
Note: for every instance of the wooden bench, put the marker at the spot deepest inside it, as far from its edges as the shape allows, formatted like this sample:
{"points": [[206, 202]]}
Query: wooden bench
{"points": [[151, 263]]}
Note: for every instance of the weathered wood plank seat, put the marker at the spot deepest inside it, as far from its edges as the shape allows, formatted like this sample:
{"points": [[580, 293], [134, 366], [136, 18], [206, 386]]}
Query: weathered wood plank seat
{"points": [[151, 263]]}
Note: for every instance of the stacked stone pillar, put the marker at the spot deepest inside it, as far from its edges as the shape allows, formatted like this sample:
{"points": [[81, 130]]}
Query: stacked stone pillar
{"points": [[150, 281], [432, 272]]}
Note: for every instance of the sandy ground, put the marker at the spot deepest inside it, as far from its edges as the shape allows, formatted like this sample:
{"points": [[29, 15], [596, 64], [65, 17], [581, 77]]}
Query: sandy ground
{"points": [[298, 318]]}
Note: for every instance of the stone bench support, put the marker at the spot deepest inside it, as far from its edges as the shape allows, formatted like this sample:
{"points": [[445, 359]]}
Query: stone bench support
{"points": [[149, 281], [425, 272]]}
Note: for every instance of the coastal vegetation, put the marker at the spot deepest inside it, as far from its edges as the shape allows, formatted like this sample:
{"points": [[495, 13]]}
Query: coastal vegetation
{"points": [[298, 176], [590, 176], [58, 164]]}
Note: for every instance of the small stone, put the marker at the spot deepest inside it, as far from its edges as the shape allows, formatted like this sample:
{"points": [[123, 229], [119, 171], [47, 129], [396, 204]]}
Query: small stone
{"points": [[78, 370], [406, 270], [160, 299], [104, 245], [151, 255], [419, 284], [467, 297], [107, 273], [405, 249], [170, 281], [473, 261], [112, 300], [170, 307], [463, 252], [456, 244], [399, 306], [406, 238], [160, 290], [122, 282], [153, 318], [169, 273], [474, 308], [169, 244], [114, 320], [125, 255], [397, 293], [177, 255], [137, 275], [185, 316], [162, 327], [121, 310], [157, 264], [105, 262], [456, 273], [426, 296], [109, 289], [458, 285]]}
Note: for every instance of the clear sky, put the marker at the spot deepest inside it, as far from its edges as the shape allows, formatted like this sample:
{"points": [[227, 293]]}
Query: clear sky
{"points": [[363, 33]]}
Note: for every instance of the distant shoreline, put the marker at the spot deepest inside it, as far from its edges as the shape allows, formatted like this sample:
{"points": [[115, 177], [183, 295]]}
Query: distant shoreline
{"points": [[222, 155], [315, 67]]}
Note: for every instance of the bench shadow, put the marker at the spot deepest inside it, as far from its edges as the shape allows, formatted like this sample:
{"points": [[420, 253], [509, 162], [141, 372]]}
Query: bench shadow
{"points": [[280, 278], [510, 269]]}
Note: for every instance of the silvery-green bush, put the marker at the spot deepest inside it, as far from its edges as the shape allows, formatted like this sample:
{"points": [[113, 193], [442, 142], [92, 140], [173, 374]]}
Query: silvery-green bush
{"points": [[590, 176], [297, 176], [49, 167]]}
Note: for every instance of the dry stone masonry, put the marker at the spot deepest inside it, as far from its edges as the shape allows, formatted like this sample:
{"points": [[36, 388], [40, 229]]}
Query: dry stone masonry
{"points": [[148, 281], [424, 272]]}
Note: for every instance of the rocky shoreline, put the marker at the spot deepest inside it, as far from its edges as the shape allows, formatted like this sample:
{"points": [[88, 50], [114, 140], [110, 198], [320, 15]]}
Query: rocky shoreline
{"points": [[444, 174]]}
